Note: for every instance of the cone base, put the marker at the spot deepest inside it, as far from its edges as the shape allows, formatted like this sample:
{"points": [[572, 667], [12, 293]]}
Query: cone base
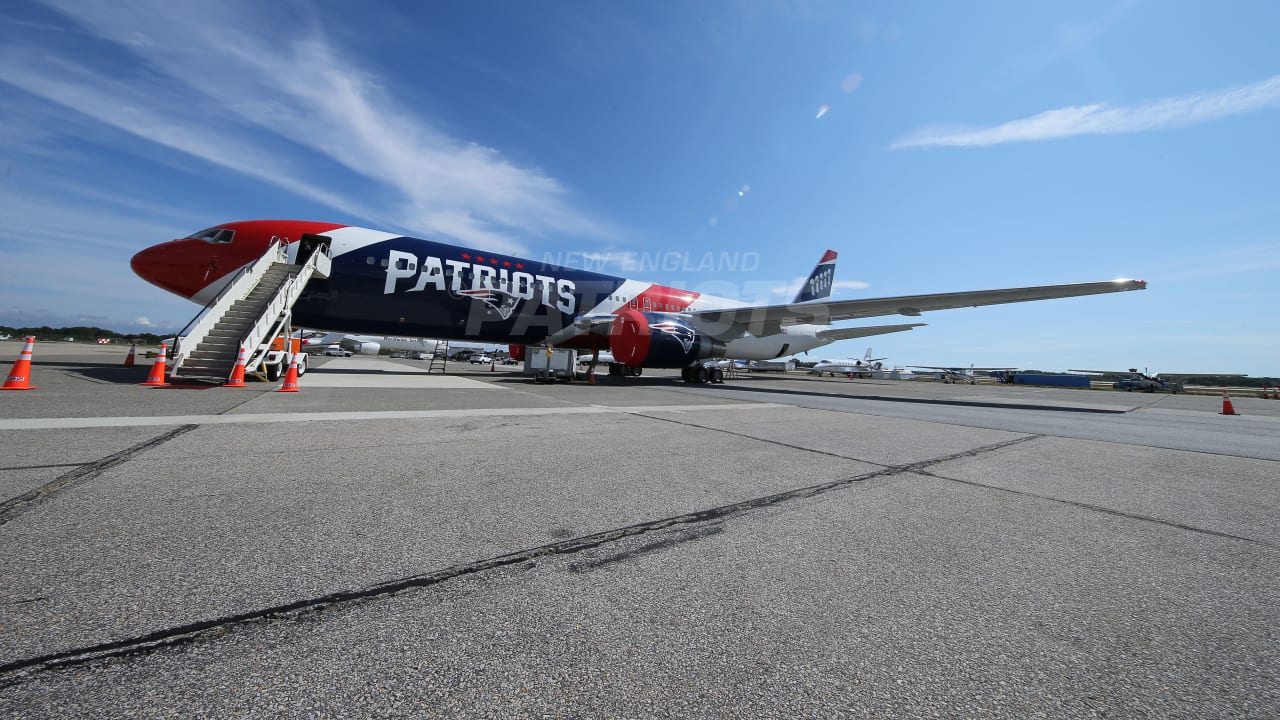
{"points": [[29, 387]]}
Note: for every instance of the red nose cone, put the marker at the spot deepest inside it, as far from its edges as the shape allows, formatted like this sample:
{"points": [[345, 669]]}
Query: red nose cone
{"points": [[180, 266], [151, 265]]}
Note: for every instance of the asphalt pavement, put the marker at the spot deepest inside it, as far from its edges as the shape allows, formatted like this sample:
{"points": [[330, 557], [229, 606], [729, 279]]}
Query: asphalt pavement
{"points": [[388, 543]]}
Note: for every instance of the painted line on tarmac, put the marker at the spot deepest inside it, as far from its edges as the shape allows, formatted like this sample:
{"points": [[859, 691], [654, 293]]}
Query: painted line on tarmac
{"points": [[100, 422]]}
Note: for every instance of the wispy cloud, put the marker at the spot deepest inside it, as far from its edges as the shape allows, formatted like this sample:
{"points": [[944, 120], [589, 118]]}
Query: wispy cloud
{"points": [[299, 115], [1100, 119]]}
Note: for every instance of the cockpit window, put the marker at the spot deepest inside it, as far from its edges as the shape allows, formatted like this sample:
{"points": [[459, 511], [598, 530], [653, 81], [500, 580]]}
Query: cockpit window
{"points": [[215, 235]]}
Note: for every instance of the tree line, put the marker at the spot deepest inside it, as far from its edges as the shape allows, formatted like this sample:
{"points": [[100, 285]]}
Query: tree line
{"points": [[81, 333]]}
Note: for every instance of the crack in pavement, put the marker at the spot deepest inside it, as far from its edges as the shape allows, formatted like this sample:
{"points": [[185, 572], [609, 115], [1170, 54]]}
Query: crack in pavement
{"points": [[16, 671], [1104, 510], [13, 507], [84, 472]]}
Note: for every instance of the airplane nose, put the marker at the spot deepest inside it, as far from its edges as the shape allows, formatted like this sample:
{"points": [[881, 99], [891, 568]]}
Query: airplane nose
{"points": [[163, 266], [150, 265]]}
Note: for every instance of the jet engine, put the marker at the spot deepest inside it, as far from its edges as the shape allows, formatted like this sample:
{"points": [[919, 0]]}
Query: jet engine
{"points": [[659, 340], [361, 348]]}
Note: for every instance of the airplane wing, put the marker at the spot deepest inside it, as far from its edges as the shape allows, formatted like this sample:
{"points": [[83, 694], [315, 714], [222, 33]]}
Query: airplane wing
{"points": [[959, 369], [1201, 374], [768, 319], [1162, 374], [857, 332], [762, 320]]}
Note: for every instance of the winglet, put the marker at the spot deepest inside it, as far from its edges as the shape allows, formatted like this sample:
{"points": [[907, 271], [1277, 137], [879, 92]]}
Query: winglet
{"points": [[818, 285]]}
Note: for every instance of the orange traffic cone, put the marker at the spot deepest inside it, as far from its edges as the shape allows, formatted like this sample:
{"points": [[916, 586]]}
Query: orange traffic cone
{"points": [[156, 378], [20, 376], [237, 375], [291, 377], [133, 349], [1227, 409]]}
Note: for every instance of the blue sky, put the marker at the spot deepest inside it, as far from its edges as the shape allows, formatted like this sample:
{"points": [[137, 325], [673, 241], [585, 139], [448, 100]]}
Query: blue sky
{"points": [[937, 146]]}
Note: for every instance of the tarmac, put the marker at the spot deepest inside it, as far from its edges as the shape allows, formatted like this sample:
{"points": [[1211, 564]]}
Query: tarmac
{"points": [[388, 543]]}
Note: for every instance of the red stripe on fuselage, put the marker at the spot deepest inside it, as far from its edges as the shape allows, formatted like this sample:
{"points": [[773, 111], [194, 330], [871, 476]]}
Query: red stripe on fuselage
{"points": [[660, 298]]}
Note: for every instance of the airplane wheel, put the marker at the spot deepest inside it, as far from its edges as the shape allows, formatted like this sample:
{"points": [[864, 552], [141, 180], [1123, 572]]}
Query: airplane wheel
{"points": [[637, 372], [703, 374], [717, 376]]}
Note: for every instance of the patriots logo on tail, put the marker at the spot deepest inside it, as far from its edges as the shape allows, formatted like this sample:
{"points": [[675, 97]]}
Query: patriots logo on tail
{"points": [[499, 301]]}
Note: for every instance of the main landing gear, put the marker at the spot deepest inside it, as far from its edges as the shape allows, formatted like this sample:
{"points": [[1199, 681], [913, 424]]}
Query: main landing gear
{"points": [[702, 374]]}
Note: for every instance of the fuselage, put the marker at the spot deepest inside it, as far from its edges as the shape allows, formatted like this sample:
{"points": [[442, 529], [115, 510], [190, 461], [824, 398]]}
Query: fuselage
{"points": [[383, 283]]}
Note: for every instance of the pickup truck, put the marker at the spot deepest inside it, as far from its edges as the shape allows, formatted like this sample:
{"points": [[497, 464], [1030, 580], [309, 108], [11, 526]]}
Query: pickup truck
{"points": [[337, 351]]}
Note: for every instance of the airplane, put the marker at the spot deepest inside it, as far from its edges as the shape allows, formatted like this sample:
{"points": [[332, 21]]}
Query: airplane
{"points": [[863, 368], [4, 337], [957, 375], [386, 283], [1133, 380], [367, 344]]}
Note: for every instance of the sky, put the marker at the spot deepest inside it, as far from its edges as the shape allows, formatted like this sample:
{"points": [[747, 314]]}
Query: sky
{"points": [[720, 147]]}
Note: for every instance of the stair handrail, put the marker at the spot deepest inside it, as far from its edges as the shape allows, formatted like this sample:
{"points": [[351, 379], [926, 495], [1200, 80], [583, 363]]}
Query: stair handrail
{"points": [[277, 312], [198, 328]]}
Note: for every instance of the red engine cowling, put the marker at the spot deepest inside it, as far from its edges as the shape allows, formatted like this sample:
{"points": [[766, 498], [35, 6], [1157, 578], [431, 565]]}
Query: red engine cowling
{"points": [[658, 340], [517, 352]]}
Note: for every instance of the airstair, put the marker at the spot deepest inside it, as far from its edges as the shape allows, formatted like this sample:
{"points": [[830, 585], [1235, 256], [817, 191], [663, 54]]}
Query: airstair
{"points": [[254, 308], [439, 357]]}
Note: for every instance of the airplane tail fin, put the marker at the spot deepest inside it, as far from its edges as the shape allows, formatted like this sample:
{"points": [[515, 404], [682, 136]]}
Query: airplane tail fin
{"points": [[818, 286]]}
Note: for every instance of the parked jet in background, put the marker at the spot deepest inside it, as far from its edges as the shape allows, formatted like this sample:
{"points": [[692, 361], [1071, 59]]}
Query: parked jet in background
{"points": [[962, 375], [389, 284], [851, 367], [368, 344]]}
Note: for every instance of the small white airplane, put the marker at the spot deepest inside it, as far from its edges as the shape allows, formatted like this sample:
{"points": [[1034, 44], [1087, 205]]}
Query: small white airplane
{"points": [[961, 375], [863, 368], [4, 337]]}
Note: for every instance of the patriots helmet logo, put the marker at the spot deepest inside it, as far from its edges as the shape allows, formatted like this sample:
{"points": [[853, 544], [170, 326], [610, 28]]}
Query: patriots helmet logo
{"points": [[682, 333], [500, 302]]}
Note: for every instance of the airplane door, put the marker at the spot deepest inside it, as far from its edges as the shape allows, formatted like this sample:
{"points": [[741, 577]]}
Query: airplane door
{"points": [[308, 244]]}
